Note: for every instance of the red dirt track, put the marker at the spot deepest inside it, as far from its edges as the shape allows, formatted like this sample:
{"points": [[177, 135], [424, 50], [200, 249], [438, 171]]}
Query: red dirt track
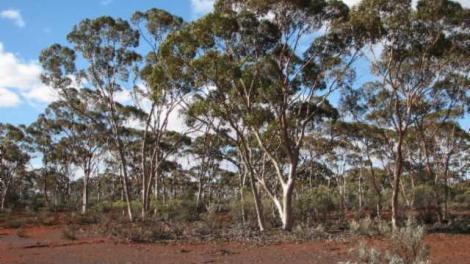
{"points": [[46, 245]]}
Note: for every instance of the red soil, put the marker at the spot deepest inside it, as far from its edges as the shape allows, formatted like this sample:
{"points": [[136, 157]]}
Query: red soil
{"points": [[47, 245]]}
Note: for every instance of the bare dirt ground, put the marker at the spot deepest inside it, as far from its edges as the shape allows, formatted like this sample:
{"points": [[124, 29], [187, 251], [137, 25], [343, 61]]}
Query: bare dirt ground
{"points": [[47, 245]]}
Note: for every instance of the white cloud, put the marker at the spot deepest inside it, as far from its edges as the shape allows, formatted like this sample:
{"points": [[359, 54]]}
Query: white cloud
{"points": [[23, 78], [201, 7], [13, 15], [8, 98]]}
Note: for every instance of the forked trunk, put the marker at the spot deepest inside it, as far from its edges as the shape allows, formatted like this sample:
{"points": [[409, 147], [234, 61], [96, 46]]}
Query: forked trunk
{"points": [[284, 207]]}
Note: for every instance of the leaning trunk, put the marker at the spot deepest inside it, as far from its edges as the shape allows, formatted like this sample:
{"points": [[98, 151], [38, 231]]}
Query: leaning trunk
{"points": [[258, 205]]}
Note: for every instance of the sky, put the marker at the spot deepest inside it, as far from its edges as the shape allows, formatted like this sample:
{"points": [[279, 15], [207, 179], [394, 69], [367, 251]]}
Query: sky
{"points": [[28, 26]]}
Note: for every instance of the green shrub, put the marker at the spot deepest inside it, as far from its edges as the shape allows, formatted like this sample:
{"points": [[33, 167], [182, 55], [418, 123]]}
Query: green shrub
{"points": [[47, 219], [316, 203], [13, 223], [462, 200], [426, 204], [179, 210], [84, 219]]}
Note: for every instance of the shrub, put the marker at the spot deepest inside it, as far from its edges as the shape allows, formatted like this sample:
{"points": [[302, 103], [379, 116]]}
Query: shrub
{"points": [[370, 227], [14, 223], [462, 200], [84, 219], [426, 203], [70, 232], [316, 203], [179, 210], [47, 219], [21, 232], [408, 244], [407, 247]]}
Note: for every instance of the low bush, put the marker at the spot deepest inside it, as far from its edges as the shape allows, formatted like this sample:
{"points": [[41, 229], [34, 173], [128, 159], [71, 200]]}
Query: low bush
{"points": [[406, 247], [70, 232], [178, 210], [21, 232], [370, 227], [426, 204], [316, 204], [13, 223]]}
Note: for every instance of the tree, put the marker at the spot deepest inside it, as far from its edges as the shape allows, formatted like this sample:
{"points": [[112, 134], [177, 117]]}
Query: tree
{"points": [[81, 140], [249, 60], [421, 48], [107, 46], [154, 25], [13, 158]]}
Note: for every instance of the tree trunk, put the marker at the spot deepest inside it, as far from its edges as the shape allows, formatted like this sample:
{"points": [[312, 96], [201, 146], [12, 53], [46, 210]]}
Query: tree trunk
{"points": [[242, 197], [396, 181], [287, 219], [258, 205], [199, 192], [2, 204], [85, 192], [125, 186]]}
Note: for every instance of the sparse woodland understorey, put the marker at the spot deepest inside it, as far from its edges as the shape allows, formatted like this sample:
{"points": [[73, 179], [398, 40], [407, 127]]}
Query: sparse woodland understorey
{"points": [[261, 114]]}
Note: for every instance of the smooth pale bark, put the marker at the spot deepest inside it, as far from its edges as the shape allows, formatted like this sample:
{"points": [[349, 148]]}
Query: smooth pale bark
{"points": [[258, 205], [199, 194], [85, 193], [5, 189], [242, 197], [286, 217], [284, 204], [2, 206]]}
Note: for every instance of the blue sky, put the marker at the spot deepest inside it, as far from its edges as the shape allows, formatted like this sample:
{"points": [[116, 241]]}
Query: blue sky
{"points": [[28, 26]]}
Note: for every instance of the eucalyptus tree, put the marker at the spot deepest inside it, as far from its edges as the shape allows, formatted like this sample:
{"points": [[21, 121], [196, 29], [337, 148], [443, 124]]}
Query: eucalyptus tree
{"points": [[106, 46], [436, 156], [13, 158], [420, 48], [364, 141], [264, 70], [161, 101], [206, 151], [42, 142], [83, 140]]}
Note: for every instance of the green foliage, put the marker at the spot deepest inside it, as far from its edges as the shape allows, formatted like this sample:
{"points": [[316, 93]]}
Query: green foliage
{"points": [[316, 203], [14, 223], [463, 199], [250, 213], [179, 209], [426, 203]]}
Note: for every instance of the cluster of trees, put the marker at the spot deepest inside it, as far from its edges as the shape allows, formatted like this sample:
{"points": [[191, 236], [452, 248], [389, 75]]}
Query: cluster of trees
{"points": [[273, 109]]}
